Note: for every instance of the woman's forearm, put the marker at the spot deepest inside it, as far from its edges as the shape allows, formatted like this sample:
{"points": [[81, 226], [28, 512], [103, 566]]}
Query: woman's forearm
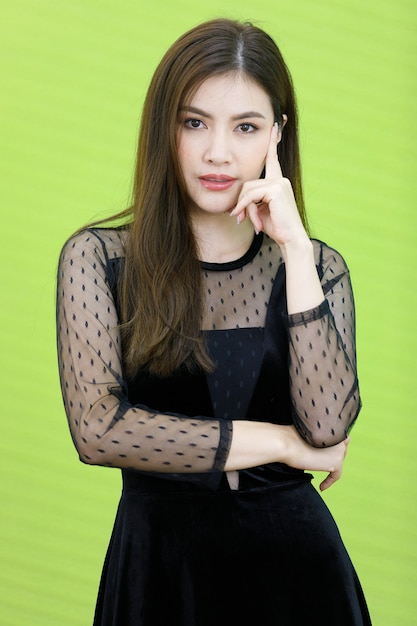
{"points": [[258, 443], [303, 287]]}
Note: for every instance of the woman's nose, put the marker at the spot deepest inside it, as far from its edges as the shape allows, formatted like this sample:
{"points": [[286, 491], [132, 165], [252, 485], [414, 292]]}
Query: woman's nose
{"points": [[218, 149]]}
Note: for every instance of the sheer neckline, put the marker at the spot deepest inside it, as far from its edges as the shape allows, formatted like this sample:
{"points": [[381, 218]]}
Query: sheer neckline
{"points": [[237, 263]]}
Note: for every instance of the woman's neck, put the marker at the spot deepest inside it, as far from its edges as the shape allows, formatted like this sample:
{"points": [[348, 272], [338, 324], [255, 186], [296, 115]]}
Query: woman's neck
{"points": [[220, 239]]}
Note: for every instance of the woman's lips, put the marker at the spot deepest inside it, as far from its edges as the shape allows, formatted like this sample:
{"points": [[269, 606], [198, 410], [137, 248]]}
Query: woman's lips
{"points": [[217, 182]]}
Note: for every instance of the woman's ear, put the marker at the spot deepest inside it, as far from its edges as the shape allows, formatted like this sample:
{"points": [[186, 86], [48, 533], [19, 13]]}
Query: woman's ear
{"points": [[281, 125]]}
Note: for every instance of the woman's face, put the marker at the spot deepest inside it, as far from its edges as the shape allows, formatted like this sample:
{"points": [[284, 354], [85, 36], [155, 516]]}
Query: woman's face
{"points": [[223, 137]]}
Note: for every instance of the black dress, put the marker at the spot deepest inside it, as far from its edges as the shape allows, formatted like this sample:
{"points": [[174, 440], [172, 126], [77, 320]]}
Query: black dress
{"points": [[191, 545]]}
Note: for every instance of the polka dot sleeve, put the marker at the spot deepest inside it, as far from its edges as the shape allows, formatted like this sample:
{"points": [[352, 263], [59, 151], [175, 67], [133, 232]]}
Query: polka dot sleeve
{"points": [[323, 377], [105, 427]]}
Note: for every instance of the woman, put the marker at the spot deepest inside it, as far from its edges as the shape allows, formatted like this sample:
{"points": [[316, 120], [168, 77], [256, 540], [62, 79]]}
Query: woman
{"points": [[206, 348]]}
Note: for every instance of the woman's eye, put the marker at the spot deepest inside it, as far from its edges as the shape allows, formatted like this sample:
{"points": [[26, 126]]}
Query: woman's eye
{"points": [[193, 123], [246, 127]]}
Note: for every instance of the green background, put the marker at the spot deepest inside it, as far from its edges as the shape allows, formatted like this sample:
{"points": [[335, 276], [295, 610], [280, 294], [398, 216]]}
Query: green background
{"points": [[73, 77]]}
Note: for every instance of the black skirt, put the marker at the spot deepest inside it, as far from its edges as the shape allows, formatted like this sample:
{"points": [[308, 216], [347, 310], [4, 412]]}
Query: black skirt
{"points": [[265, 555]]}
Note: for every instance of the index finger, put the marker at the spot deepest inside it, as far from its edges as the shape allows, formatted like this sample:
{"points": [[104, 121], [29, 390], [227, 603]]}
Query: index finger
{"points": [[272, 164]]}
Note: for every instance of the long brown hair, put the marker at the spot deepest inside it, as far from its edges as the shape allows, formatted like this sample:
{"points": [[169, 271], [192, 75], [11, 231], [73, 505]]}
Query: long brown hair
{"points": [[160, 289]]}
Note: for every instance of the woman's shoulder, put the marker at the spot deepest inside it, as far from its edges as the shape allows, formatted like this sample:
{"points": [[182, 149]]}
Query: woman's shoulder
{"points": [[102, 243], [327, 257]]}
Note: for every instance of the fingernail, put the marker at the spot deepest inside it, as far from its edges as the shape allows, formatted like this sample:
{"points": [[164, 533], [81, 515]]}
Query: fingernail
{"points": [[238, 219]]}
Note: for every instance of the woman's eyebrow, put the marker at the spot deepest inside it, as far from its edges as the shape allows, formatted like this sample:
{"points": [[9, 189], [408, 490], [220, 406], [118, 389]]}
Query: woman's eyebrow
{"points": [[238, 116]]}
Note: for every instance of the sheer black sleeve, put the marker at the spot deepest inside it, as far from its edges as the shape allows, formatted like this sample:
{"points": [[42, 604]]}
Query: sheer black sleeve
{"points": [[324, 383], [105, 427]]}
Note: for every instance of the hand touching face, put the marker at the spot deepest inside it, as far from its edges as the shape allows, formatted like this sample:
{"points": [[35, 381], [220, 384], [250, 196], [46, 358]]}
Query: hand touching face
{"points": [[226, 137], [269, 202]]}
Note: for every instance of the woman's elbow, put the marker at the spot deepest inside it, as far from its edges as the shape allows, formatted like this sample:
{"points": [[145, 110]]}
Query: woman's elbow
{"points": [[320, 435], [90, 452]]}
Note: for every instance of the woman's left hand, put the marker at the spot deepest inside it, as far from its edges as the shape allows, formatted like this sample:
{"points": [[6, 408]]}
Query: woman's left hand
{"points": [[269, 202]]}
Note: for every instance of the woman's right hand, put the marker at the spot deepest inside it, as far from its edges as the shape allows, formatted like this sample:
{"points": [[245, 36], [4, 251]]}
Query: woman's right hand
{"points": [[257, 443], [300, 455]]}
